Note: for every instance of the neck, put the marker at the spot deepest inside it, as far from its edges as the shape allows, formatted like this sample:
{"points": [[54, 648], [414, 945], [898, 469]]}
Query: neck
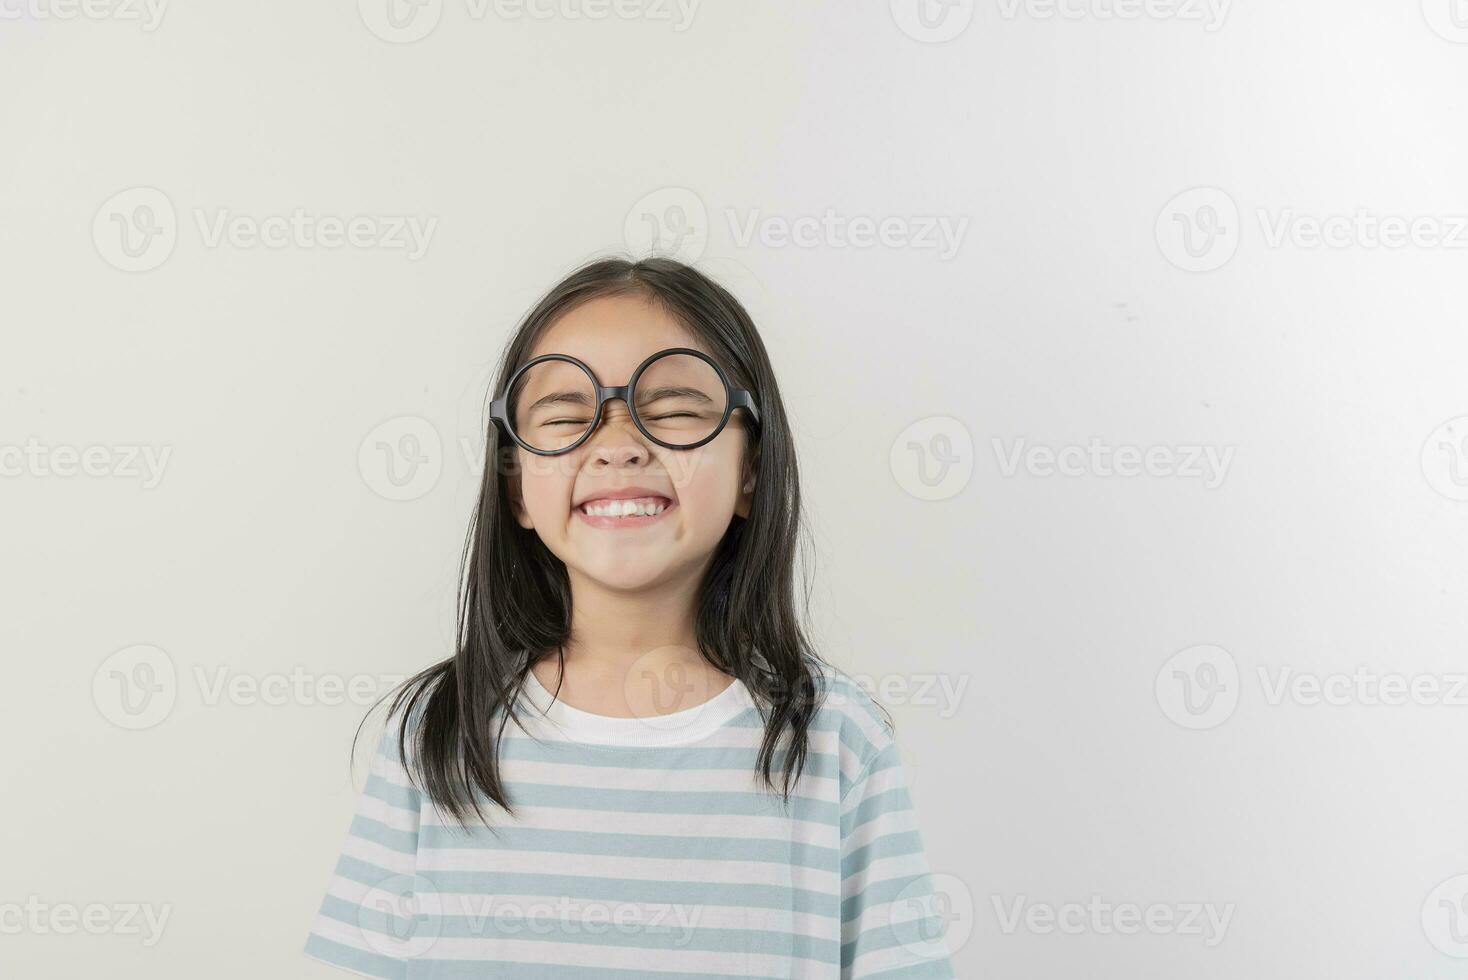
{"points": [[613, 632], [631, 654]]}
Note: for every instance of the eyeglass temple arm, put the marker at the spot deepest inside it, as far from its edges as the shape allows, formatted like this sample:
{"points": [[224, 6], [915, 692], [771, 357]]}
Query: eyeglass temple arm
{"points": [[497, 412], [743, 399]]}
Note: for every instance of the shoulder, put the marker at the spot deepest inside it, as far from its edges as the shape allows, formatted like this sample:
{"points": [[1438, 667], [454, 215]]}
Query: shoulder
{"points": [[397, 748], [864, 731]]}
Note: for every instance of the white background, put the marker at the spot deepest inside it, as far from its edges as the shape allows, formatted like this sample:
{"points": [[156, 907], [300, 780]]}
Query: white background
{"points": [[1072, 765]]}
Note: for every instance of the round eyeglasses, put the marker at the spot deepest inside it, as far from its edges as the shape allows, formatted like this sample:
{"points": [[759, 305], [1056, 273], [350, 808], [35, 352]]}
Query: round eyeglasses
{"points": [[679, 398]]}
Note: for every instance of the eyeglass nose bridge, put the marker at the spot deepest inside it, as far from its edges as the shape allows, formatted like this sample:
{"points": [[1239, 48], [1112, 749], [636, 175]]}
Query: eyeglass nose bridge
{"points": [[624, 392], [604, 395]]}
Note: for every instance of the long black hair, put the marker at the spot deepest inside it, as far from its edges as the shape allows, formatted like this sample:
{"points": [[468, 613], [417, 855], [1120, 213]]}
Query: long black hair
{"points": [[515, 595]]}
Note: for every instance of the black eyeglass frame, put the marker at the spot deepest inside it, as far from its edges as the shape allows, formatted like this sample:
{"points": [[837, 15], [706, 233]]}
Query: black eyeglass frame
{"points": [[733, 398]]}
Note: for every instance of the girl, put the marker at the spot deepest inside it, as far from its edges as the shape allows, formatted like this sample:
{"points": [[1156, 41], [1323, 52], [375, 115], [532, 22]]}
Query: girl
{"points": [[635, 765]]}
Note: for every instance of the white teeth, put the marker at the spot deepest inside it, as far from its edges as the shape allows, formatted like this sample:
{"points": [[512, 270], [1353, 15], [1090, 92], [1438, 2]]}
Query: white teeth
{"points": [[640, 507]]}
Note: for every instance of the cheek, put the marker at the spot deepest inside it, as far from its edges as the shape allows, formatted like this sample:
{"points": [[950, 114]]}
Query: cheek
{"points": [[707, 479], [545, 485]]}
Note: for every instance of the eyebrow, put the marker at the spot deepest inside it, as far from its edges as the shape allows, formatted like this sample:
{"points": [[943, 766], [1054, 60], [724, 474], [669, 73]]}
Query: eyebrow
{"points": [[674, 391], [567, 397]]}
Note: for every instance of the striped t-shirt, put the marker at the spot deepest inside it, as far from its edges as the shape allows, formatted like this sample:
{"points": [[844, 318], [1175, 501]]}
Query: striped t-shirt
{"points": [[645, 848]]}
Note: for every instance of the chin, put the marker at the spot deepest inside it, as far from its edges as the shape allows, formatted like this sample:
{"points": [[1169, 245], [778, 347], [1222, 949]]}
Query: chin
{"points": [[626, 576]]}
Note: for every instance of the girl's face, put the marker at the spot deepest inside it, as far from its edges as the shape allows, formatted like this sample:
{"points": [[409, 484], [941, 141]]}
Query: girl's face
{"points": [[701, 489]]}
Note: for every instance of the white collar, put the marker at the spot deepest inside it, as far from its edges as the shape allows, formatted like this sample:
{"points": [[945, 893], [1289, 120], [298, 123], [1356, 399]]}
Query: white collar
{"points": [[677, 728]]}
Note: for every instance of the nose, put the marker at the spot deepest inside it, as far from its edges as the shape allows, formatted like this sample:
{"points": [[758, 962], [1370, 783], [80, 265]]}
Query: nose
{"points": [[617, 440]]}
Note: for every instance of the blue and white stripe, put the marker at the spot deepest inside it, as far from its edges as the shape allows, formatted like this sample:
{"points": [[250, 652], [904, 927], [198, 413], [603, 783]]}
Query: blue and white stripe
{"points": [[638, 852]]}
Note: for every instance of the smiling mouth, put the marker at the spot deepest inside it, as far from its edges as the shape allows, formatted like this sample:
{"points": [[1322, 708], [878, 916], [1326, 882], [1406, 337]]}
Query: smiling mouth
{"points": [[629, 512]]}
